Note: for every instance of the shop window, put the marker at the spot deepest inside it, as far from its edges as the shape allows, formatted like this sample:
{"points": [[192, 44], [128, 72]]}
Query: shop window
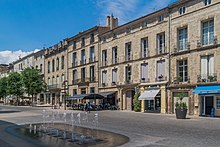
{"points": [[218, 103]]}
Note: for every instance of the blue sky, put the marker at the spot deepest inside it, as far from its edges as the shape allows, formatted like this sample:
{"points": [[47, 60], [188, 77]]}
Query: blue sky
{"points": [[27, 25]]}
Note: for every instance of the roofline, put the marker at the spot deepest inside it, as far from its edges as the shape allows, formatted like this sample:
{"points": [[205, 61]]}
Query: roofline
{"points": [[85, 32], [165, 8]]}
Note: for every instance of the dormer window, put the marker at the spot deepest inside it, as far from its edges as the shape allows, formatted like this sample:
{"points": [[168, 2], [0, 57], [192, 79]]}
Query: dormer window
{"points": [[128, 30], [182, 10], [161, 18], [83, 41], [144, 24], [207, 2], [74, 44], [92, 39]]}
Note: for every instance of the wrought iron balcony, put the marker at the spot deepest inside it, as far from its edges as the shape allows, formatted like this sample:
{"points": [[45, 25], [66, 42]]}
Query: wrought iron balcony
{"points": [[104, 63], [74, 64], [83, 62], [54, 86], [207, 78], [178, 80], [92, 79]]}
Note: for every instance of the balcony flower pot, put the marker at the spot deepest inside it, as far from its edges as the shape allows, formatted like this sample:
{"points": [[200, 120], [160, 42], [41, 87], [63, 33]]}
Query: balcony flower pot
{"points": [[181, 107]]}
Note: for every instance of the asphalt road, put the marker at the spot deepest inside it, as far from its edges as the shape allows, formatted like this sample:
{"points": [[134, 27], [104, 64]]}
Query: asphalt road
{"points": [[156, 130]]}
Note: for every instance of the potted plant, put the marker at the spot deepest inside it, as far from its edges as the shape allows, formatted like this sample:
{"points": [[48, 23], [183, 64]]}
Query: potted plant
{"points": [[181, 107]]}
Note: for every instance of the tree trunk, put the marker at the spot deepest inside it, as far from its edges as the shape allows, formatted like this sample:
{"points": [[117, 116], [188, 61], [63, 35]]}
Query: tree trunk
{"points": [[17, 99], [32, 100]]}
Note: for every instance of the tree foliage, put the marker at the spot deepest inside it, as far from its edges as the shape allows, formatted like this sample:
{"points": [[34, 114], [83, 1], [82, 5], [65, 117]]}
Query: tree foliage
{"points": [[15, 85], [3, 87], [33, 81], [137, 103]]}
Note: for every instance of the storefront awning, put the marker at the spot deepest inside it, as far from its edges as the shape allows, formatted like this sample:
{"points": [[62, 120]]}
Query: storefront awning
{"points": [[106, 94], [76, 97], [202, 90], [148, 95]]}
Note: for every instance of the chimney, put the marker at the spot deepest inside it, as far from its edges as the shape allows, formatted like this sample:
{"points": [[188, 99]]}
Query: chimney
{"points": [[111, 22]]}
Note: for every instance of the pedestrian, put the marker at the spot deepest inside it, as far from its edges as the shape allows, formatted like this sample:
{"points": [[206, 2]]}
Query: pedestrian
{"points": [[88, 107]]}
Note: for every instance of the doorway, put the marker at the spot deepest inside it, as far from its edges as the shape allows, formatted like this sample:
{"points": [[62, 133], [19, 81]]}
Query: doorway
{"points": [[207, 104]]}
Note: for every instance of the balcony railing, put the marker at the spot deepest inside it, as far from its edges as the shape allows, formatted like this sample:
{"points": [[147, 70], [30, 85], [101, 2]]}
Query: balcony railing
{"points": [[91, 60], [144, 80], [160, 78], [128, 81], [128, 57], [83, 81], [115, 60], [104, 63], [75, 82], [83, 62], [74, 64], [161, 50], [207, 78], [178, 80], [92, 79], [54, 86]]}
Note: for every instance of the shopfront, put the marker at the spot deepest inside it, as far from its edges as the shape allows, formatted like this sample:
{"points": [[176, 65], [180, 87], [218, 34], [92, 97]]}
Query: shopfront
{"points": [[152, 100], [209, 99]]}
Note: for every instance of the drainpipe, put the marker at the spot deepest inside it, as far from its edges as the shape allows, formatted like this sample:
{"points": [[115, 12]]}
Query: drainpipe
{"points": [[99, 59], [169, 59]]}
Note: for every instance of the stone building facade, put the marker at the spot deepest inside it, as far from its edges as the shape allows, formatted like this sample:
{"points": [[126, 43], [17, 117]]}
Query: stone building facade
{"points": [[83, 61], [56, 73], [195, 55]]}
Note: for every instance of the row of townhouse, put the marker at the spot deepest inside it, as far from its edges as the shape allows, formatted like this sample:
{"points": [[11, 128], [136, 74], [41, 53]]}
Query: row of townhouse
{"points": [[170, 51]]}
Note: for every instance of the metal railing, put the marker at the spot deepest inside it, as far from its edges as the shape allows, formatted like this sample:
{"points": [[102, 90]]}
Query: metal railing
{"points": [[207, 78]]}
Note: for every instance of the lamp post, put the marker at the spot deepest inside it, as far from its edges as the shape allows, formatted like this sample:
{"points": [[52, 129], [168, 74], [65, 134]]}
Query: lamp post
{"points": [[64, 84]]}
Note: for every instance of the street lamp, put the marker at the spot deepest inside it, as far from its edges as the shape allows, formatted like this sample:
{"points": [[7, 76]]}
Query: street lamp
{"points": [[64, 84]]}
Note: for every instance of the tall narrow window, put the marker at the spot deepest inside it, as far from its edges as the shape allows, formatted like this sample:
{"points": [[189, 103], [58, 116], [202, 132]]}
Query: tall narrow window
{"points": [[48, 66], [114, 55], [53, 64], [83, 57], [83, 74], [207, 2], [161, 43], [74, 44], [62, 62], [58, 80], [208, 32], [144, 47], [92, 54], [62, 78], [144, 72], [182, 10], [182, 39], [74, 77], [53, 80], [92, 39], [83, 41], [104, 78], [48, 82], [128, 52], [160, 70], [92, 89], [83, 90], [74, 59], [182, 71], [41, 67], [92, 73], [57, 64], [104, 57], [74, 91], [207, 67], [114, 76], [128, 74]]}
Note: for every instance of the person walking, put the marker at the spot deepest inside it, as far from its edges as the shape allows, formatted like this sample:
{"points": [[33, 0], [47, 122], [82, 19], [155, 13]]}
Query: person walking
{"points": [[88, 107]]}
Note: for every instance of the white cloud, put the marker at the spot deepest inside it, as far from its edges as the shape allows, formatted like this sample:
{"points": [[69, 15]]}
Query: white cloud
{"points": [[7, 56], [127, 10]]}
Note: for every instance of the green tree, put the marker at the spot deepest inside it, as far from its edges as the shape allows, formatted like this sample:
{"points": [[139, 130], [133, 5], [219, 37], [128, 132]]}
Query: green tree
{"points": [[33, 82], [137, 103], [15, 85], [3, 88]]}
